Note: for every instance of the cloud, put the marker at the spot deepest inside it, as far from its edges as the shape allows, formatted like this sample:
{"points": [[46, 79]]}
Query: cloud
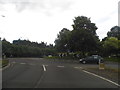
{"points": [[119, 13], [46, 5]]}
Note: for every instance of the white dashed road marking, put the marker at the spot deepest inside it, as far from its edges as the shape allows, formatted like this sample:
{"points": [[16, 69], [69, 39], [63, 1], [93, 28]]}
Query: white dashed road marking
{"points": [[13, 62], [32, 64], [78, 67], [44, 67], [60, 66], [22, 63]]}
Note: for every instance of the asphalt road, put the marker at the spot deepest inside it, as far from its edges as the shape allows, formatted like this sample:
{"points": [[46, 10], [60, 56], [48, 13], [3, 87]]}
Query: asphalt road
{"points": [[43, 73]]}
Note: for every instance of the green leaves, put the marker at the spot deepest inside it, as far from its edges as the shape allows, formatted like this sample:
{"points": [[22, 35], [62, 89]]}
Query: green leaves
{"points": [[114, 32], [62, 40], [82, 38], [25, 48], [82, 22], [111, 46]]}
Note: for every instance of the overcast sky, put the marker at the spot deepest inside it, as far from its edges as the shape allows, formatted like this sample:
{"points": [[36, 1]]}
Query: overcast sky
{"points": [[41, 20]]}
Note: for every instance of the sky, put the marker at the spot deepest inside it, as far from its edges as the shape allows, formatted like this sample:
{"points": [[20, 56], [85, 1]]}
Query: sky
{"points": [[42, 20]]}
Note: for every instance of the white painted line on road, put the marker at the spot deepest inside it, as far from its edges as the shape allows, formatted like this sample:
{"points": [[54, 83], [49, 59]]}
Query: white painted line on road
{"points": [[60, 66], [32, 64], [102, 78], [44, 67], [13, 62], [78, 67], [22, 63]]}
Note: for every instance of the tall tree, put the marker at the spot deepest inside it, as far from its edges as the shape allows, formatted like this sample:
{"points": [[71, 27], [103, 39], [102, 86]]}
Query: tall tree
{"points": [[62, 40], [84, 37], [82, 22]]}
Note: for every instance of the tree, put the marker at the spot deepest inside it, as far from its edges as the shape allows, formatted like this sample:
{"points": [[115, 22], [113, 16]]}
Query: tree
{"points": [[6, 48], [114, 32], [84, 37], [82, 22], [26, 48], [111, 46], [62, 40]]}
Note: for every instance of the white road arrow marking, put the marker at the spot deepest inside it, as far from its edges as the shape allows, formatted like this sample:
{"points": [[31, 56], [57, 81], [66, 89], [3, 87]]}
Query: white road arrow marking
{"points": [[44, 68]]}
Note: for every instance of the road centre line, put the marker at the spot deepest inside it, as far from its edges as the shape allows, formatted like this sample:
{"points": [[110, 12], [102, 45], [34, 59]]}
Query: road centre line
{"points": [[31, 64], [13, 62], [22, 63], [60, 66], [44, 68], [101, 77], [78, 67]]}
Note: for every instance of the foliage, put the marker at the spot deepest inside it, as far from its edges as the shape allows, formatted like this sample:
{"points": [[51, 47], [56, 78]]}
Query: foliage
{"points": [[111, 46], [82, 38], [114, 59], [82, 22], [25, 48], [82, 41], [62, 40], [114, 32], [111, 43]]}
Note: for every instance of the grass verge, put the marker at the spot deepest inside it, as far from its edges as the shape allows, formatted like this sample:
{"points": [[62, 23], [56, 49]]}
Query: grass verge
{"points": [[4, 62], [109, 73], [113, 59]]}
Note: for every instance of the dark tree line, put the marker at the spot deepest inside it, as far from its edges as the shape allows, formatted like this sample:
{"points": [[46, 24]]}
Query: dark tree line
{"points": [[26, 48]]}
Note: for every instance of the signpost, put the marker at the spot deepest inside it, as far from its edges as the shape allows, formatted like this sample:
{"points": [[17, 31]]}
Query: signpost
{"points": [[101, 65]]}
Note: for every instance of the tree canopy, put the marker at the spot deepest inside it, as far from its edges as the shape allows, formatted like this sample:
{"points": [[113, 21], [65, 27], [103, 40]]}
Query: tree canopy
{"points": [[26, 48], [114, 32], [82, 38], [111, 43], [111, 46]]}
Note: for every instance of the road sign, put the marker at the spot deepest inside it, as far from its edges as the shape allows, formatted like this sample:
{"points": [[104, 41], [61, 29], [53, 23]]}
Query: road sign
{"points": [[101, 65]]}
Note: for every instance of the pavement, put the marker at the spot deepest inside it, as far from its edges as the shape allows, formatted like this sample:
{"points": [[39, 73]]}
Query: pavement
{"points": [[45, 73]]}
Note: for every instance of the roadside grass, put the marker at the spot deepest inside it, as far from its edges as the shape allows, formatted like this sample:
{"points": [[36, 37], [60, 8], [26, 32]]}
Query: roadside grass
{"points": [[113, 59], [0, 63], [4, 62], [61, 58], [109, 73], [108, 69]]}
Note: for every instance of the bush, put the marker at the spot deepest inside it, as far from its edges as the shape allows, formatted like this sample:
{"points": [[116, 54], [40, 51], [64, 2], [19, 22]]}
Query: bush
{"points": [[114, 59]]}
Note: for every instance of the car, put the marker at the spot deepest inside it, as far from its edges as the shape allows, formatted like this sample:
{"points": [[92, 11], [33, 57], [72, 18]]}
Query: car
{"points": [[92, 59]]}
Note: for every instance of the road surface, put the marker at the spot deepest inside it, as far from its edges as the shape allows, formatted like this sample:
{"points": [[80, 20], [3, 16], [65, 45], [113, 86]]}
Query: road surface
{"points": [[44, 73]]}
